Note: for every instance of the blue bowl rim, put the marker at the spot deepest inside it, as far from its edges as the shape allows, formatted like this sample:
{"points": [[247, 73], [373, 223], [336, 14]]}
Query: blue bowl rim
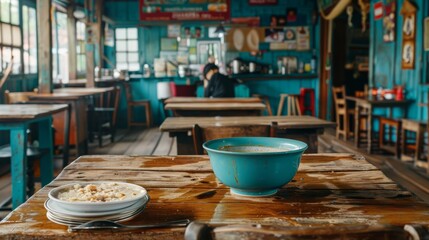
{"points": [[302, 146]]}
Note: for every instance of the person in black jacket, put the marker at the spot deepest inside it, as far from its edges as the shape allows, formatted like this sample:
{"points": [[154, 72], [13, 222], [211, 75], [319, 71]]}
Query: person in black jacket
{"points": [[218, 85]]}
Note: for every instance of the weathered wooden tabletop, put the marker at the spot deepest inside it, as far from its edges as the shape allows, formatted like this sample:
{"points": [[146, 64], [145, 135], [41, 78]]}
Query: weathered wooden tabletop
{"points": [[23, 112], [211, 100], [329, 191], [174, 124], [210, 106]]}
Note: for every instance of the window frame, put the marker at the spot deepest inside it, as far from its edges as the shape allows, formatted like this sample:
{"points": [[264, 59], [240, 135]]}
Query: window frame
{"points": [[127, 51], [29, 5], [82, 73]]}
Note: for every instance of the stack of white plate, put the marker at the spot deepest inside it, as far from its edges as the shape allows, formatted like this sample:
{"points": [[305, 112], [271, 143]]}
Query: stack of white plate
{"points": [[78, 212]]}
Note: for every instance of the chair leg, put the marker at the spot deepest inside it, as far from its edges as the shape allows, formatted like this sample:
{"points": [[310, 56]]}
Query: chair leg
{"points": [[100, 135], [148, 115], [30, 177], [281, 103], [130, 114]]}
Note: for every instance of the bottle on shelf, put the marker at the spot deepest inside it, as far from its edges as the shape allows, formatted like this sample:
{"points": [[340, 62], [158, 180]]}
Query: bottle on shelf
{"points": [[313, 62]]}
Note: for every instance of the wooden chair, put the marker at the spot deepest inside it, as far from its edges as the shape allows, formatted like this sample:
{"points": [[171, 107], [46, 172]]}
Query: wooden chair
{"points": [[292, 104], [266, 102], [389, 130], [412, 148], [136, 103], [18, 97], [203, 134], [342, 112], [103, 116]]}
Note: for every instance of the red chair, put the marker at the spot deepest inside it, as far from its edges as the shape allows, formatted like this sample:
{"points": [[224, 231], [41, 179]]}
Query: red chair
{"points": [[306, 101], [183, 90]]}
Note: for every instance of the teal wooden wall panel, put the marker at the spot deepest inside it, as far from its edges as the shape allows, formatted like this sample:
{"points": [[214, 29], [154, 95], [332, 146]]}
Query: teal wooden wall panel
{"points": [[125, 14], [385, 60]]}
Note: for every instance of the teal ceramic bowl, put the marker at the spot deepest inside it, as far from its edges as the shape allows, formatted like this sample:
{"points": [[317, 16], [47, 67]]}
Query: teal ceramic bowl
{"points": [[255, 166]]}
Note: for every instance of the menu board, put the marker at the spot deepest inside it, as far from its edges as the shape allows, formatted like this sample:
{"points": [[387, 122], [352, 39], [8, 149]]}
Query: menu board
{"points": [[183, 10]]}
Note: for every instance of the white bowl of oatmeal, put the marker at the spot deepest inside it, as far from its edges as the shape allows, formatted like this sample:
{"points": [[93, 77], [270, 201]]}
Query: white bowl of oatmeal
{"points": [[96, 196]]}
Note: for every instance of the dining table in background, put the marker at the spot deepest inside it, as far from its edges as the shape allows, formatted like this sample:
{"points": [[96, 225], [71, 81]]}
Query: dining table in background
{"points": [[193, 106], [16, 118], [211, 100], [333, 196], [304, 128], [79, 99], [368, 105]]}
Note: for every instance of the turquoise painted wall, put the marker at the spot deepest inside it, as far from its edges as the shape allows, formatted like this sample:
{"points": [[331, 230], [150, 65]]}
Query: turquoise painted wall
{"points": [[385, 60], [124, 13]]}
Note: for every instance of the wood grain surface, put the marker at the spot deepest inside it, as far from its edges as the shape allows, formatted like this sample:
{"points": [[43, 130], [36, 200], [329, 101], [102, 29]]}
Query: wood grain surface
{"points": [[21, 112], [212, 100], [330, 191]]}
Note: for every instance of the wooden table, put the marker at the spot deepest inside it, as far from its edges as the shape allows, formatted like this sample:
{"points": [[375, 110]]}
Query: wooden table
{"points": [[16, 118], [78, 99], [368, 105], [212, 100], [216, 109], [304, 128], [332, 193]]}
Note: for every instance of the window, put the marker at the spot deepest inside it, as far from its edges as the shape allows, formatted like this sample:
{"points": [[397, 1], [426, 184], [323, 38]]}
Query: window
{"points": [[60, 59], [80, 48], [10, 35], [127, 55], [29, 31]]}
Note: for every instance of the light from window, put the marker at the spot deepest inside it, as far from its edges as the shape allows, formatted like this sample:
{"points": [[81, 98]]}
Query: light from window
{"points": [[60, 57], [127, 50], [29, 46], [10, 35], [80, 48]]}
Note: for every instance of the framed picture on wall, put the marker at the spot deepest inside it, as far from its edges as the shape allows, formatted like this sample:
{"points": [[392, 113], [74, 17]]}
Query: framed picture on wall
{"points": [[408, 50]]}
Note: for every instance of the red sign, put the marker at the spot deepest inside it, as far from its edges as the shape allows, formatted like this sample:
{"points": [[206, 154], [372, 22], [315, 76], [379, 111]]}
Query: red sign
{"points": [[378, 10], [184, 11], [263, 2]]}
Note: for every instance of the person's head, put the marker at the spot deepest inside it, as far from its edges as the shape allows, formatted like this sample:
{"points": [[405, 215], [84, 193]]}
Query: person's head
{"points": [[209, 70]]}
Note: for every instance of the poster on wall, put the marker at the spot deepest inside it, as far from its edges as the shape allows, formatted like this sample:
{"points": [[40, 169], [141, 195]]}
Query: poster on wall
{"points": [[302, 38], [408, 34], [183, 10], [244, 39], [290, 38], [389, 23]]}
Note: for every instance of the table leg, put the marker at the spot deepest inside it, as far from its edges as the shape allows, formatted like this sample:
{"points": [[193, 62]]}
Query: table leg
{"points": [[369, 129], [357, 122], [185, 144], [47, 159], [18, 143]]}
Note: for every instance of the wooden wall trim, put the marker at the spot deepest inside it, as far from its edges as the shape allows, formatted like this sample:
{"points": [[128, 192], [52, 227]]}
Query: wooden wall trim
{"points": [[44, 34], [71, 29], [324, 74]]}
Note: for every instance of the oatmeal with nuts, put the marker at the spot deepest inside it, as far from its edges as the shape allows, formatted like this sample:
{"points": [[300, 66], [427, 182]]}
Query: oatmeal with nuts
{"points": [[103, 192]]}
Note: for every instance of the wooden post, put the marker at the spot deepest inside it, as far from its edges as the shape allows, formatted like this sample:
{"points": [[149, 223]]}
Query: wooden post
{"points": [[71, 28], [44, 35], [90, 42], [100, 45]]}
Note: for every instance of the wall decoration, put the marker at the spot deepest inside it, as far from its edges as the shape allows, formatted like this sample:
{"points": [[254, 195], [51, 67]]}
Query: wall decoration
{"points": [[330, 9], [303, 38], [244, 39], [263, 2], [364, 10], [168, 44], [184, 10], [389, 23], [426, 34], [408, 12], [290, 38], [378, 10], [192, 32], [277, 20], [173, 30], [274, 35], [291, 14], [247, 21]]}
